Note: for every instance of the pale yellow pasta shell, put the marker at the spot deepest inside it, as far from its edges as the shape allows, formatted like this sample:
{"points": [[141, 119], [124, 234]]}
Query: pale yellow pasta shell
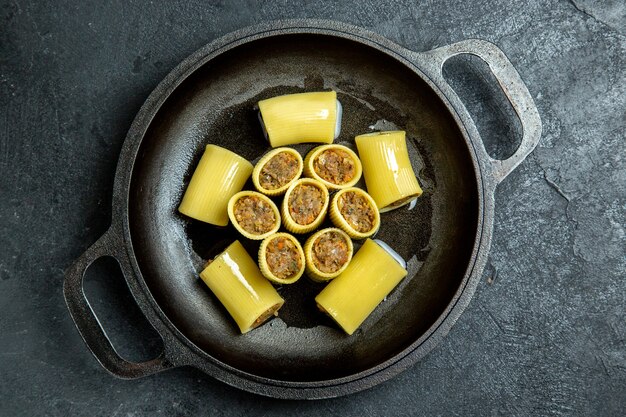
{"points": [[387, 169], [236, 281], [289, 223], [264, 267], [340, 221], [309, 166], [351, 297], [312, 271], [245, 233], [300, 118], [219, 175], [264, 160]]}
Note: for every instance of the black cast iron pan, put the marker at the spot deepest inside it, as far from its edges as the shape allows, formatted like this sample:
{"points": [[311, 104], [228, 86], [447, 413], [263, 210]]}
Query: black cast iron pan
{"points": [[209, 98]]}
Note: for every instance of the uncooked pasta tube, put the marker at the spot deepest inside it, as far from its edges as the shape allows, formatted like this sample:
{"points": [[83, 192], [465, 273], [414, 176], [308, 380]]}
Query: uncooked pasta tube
{"points": [[387, 169], [355, 212], [281, 258], [277, 170], [300, 118], [253, 214], [336, 166], [219, 175], [328, 253], [305, 205], [237, 282], [350, 298]]}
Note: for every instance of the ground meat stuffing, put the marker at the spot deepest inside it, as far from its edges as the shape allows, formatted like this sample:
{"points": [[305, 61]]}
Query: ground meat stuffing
{"points": [[357, 211], [330, 252], [254, 215], [283, 258], [335, 166], [278, 171], [305, 203], [266, 315]]}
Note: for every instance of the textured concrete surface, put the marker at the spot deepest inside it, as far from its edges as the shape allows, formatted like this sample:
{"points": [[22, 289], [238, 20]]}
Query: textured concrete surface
{"points": [[546, 331]]}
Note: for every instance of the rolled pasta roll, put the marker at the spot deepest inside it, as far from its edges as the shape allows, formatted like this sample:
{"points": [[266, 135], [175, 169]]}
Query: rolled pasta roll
{"points": [[328, 253], [219, 175], [300, 118], [281, 258], [387, 169], [355, 212], [253, 214], [373, 273], [236, 281], [336, 166], [277, 170], [305, 205]]}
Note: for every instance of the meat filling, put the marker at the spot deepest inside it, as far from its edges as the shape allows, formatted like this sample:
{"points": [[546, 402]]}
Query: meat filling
{"points": [[335, 166], [330, 252], [305, 203], [401, 202], [278, 171], [272, 311], [254, 215], [283, 258], [357, 211]]}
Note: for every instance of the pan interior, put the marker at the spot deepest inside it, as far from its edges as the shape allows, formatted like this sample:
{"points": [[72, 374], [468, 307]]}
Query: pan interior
{"points": [[215, 105]]}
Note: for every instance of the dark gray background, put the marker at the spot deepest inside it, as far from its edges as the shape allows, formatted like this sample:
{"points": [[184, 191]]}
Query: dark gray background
{"points": [[546, 331]]}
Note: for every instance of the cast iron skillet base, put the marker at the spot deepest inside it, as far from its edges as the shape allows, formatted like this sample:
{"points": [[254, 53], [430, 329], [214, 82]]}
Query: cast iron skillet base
{"points": [[209, 98]]}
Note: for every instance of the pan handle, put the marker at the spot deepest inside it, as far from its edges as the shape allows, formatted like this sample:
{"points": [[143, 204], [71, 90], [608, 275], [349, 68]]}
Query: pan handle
{"points": [[86, 321], [511, 83]]}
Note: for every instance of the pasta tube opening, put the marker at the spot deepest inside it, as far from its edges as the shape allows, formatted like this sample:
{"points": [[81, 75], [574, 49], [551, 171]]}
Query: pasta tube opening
{"points": [[277, 170], [305, 205], [336, 166], [328, 253], [281, 258], [355, 212], [253, 214]]}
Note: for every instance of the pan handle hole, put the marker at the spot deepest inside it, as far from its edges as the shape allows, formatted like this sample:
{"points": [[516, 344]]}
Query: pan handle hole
{"points": [[495, 119], [130, 332]]}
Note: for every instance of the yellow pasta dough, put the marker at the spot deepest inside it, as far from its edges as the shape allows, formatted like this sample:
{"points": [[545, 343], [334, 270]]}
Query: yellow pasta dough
{"points": [[219, 175], [351, 297], [387, 169], [236, 281], [300, 118]]}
